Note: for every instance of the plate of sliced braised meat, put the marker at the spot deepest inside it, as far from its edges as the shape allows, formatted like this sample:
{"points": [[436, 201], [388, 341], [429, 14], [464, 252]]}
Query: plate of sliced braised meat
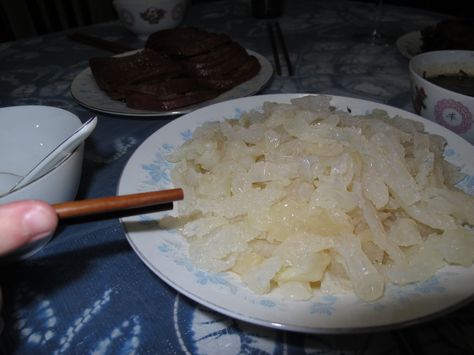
{"points": [[177, 71]]}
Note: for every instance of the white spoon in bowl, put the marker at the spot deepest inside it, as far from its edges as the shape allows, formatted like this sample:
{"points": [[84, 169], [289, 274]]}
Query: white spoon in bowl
{"points": [[8, 181], [55, 157]]}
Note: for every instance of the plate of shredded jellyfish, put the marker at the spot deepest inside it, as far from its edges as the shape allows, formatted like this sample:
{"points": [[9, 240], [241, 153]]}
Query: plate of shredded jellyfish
{"points": [[310, 213]]}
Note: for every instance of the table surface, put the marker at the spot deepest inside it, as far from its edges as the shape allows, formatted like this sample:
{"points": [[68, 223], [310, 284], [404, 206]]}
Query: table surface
{"points": [[88, 292]]}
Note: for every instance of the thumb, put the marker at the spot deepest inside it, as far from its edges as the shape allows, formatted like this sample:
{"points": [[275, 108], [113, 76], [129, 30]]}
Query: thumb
{"points": [[23, 222]]}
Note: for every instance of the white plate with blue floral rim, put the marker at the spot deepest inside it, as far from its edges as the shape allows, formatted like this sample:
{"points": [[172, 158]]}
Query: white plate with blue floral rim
{"points": [[165, 251], [410, 44], [84, 90]]}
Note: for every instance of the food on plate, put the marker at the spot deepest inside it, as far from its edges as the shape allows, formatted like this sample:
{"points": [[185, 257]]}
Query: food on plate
{"points": [[178, 67], [460, 82], [303, 197], [213, 59], [453, 33]]}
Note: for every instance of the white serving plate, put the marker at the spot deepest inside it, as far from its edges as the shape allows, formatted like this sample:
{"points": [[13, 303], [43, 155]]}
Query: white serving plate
{"points": [[165, 252]]}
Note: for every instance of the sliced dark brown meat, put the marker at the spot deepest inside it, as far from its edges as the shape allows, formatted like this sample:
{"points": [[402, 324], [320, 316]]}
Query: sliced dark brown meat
{"points": [[452, 33], [112, 73], [241, 74], [216, 56], [222, 66], [164, 88], [224, 69], [179, 67], [185, 42]]}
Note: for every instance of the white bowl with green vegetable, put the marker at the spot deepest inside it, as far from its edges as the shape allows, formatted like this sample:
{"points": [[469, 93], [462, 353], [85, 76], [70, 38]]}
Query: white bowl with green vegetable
{"points": [[442, 89]]}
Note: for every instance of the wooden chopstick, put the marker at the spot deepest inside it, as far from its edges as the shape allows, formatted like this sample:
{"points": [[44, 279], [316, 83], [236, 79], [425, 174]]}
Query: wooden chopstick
{"points": [[272, 28], [281, 39], [130, 202], [276, 57], [114, 47]]}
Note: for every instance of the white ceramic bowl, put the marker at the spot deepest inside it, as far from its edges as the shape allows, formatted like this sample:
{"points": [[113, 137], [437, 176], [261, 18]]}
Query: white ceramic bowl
{"points": [[451, 109], [144, 17], [27, 134]]}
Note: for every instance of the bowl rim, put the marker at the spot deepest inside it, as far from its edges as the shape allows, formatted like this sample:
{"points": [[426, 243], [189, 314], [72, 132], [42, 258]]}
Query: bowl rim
{"points": [[428, 83], [48, 107]]}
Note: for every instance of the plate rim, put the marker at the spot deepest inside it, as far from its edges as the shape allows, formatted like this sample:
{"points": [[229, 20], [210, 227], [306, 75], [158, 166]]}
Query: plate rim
{"points": [[402, 41], [266, 322]]}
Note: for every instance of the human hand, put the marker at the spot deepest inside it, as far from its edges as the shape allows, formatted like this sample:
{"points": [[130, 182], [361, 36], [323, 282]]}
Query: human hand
{"points": [[23, 222]]}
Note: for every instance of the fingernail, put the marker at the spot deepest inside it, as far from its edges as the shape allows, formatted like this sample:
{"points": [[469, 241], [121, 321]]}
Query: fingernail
{"points": [[37, 223]]}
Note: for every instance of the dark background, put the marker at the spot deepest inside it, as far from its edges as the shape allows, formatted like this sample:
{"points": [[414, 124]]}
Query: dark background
{"points": [[27, 18]]}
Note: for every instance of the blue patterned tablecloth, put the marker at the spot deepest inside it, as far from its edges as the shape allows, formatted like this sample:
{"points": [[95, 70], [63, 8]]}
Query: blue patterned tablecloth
{"points": [[87, 292]]}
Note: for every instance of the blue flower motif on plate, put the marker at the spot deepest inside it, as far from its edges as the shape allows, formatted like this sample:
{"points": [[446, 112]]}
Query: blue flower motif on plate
{"points": [[267, 303], [326, 306], [238, 112], [401, 295], [467, 184], [432, 285], [186, 134], [176, 253], [449, 152], [158, 171]]}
